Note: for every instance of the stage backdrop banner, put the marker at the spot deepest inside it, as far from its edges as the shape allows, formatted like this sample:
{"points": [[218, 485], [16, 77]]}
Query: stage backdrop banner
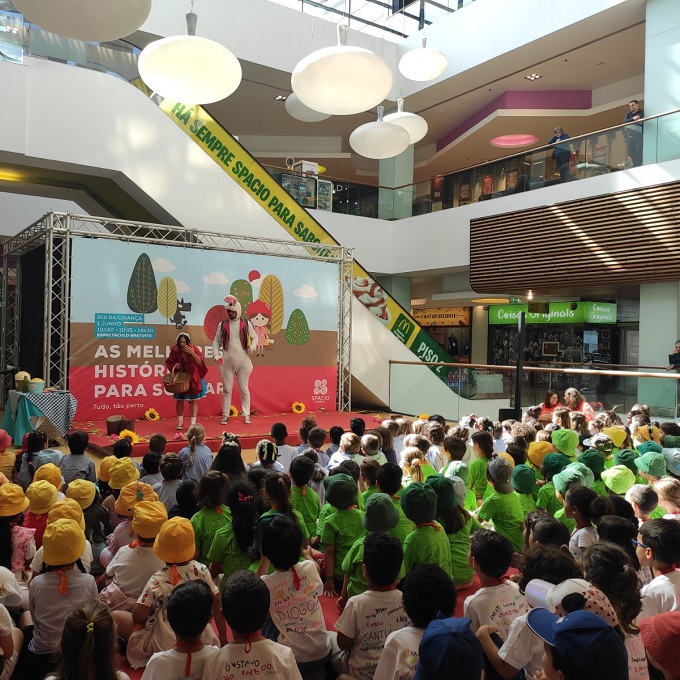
{"points": [[129, 301]]}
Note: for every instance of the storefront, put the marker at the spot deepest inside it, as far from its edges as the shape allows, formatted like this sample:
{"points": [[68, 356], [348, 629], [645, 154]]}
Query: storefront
{"points": [[569, 333], [449, 327]]}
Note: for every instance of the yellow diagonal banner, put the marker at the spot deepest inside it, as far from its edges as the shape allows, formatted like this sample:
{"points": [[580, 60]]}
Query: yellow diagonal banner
{"points": [[272, 197]]}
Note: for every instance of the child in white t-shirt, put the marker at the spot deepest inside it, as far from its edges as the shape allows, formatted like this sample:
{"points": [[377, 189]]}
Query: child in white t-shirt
{"points": [[584, 506], [498, 602], [286, 453], [134, 564], [294, 589], [368, 619], [189, 610], [245, 607], [658, 546], [147, 629], [427, 590]]}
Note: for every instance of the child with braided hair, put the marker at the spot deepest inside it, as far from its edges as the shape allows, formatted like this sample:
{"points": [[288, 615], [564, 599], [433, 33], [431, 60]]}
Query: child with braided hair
{"points": [[197, 457]]}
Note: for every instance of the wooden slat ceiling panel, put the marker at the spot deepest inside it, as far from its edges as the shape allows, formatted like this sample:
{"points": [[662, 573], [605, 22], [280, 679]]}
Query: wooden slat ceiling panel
{"points": [[630, 237]]}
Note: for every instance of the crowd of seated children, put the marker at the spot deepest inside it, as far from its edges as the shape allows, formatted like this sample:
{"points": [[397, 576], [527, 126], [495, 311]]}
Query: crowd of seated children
{"points": [[590, 521]]}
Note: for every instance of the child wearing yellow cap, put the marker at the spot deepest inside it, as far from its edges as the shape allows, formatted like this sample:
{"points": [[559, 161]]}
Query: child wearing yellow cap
{"points": [[66, 509], [17, 545], [41, 497], [7, 458], [117, 473], [52, 474], [147, 628], [54, 593], [97, 524], [134, 564], [129, 496]]}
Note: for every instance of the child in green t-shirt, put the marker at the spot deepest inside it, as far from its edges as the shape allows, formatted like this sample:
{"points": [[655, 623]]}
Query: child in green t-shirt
{"points": [[454, 451], [341, 529], [523, 482], [503, 507], [482, 445], [594, 461], [428, 542], [389, 482], [551, 465], [368, 477], [231, 549], [380, 515], [303, 498], [563, 481], [462, 470], [457, 523], [213, 514]]}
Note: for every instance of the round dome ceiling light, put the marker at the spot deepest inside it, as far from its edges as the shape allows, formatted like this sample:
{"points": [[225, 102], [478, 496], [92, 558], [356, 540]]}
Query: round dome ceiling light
{"points": [[86, 20], [423, 63], [415, 125], [342, 80], [168, 67], [299, 111], [379, 139]]}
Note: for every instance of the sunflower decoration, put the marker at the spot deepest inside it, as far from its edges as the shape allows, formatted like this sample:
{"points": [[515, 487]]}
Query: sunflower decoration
{"points": [[298, 407], [423, 416], [233, 411], [131, 436], [152, 414]]}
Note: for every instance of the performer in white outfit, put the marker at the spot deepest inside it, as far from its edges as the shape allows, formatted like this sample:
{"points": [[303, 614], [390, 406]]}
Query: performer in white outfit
{"points": [[232, 344]]}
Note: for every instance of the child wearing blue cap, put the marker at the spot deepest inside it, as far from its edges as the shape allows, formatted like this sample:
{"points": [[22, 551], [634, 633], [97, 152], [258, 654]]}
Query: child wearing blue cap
{"points": [[579, 646]]}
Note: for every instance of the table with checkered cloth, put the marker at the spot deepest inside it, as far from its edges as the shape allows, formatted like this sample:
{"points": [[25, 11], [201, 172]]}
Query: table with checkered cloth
{"points": [[58, 407]]}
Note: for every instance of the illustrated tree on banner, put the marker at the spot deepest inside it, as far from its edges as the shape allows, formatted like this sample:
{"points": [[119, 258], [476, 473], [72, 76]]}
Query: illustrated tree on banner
{"points": [[297, 331], [242, 290], [142, 293], [167, 297]]}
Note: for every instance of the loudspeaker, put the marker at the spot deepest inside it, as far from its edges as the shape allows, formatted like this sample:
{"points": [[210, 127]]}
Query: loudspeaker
{"points": [[509, 414]]}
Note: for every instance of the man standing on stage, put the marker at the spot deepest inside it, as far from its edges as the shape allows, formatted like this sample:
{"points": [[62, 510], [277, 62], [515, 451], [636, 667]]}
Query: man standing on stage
{"points": [[234, 341]]}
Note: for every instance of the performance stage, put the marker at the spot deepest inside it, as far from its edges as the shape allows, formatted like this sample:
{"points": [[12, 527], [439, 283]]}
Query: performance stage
{"points": [[249, 435]]}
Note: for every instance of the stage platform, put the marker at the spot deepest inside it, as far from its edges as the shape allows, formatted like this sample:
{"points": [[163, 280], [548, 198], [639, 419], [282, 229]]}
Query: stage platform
{"points": [[249, 435]]}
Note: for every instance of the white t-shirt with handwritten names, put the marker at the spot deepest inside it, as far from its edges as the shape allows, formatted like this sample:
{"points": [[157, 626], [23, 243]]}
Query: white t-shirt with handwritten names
{"points": [[264, 659], [369, 619], [495, 606]]}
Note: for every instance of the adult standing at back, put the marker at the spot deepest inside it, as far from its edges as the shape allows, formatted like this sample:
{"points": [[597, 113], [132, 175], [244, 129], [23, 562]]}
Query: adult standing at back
{"points": [[633, 132], [561, 153]]}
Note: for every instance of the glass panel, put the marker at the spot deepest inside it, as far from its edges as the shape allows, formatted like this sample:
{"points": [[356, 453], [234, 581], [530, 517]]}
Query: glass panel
{"points": [[485, 390]]}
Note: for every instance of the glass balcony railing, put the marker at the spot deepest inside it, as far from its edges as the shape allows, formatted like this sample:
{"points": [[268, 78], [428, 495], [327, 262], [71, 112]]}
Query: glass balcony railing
{"points": [[597, 153], [485, 389]]}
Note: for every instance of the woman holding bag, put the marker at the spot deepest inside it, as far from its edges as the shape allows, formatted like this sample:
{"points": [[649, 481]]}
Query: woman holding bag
{"points": [[189, 359]]}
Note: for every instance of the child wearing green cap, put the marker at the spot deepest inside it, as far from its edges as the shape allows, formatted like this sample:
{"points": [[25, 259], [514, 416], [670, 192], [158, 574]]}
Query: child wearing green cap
{"points": [[341, 529], [595, 461], [428, 542], [389, 482], [458, 468], [458, 525], [546, 499], [380, 515], [523, 482], [503, 507]]}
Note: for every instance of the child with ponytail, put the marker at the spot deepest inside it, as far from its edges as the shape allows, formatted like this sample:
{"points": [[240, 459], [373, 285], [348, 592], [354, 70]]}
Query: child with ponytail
{"points": [[213, 515], [608, 567], [585, 507], [231, 549], [147, 628], [36, 441], [87, 645], [197, 457], [414, 466]]}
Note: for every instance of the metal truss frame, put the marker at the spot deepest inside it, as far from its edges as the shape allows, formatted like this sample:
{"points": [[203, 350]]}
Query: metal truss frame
{"points": [[56, 230]]}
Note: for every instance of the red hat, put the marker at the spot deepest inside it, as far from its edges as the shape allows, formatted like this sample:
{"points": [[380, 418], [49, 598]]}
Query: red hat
{"points": [[659, 634], [24, 443]]}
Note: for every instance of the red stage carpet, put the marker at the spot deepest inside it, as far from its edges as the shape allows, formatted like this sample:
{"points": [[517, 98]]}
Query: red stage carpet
{"points": [[248, 434]]}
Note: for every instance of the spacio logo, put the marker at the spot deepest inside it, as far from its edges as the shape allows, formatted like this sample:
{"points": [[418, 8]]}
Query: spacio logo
{"points": [[320, 391]]}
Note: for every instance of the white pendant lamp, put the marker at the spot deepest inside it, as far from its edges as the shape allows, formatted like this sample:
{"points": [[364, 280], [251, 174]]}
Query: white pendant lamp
{"points": [[342, 80], [86, 20], [423, 63], [299, 111], [189, 69], [415, 125], [379, 139]]}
